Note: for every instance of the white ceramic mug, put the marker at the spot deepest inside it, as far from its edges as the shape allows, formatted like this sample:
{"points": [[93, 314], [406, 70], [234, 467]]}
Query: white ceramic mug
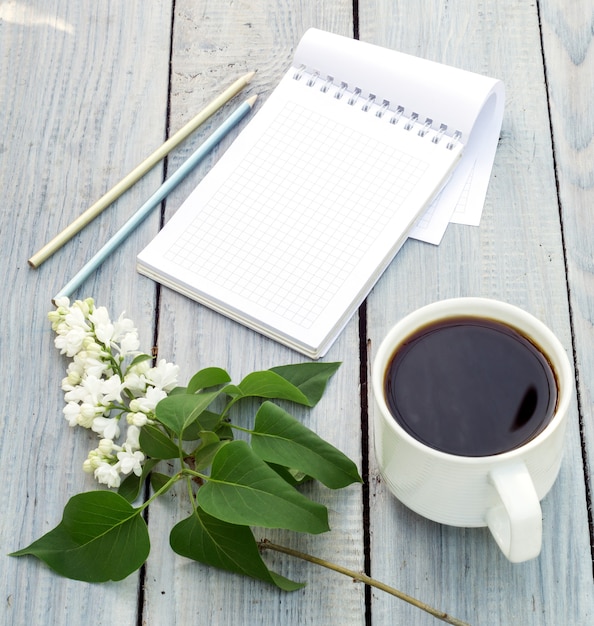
{"points": [[501, 491]]}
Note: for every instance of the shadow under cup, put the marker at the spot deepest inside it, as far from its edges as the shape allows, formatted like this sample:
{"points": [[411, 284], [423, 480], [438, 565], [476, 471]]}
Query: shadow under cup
{"points": [[471, 398]]}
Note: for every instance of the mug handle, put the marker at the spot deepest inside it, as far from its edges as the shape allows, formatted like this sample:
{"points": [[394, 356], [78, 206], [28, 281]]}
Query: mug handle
{"points": [[515, 523]]}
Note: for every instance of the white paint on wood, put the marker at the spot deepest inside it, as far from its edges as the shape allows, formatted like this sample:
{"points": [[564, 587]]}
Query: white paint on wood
{"points": [[85, 99]]}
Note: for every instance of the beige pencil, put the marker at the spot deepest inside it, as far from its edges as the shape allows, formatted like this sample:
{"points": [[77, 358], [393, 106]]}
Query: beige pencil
{"points": [[138, 172]]}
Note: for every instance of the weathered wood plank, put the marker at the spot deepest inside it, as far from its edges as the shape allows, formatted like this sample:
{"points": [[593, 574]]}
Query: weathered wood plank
{"points": [[569, 57], [213, 43], [85, 92], [84, 100], [515, 255]]}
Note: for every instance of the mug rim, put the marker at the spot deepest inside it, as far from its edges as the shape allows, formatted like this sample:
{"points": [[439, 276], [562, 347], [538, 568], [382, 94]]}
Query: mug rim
{"points": [[496, 309]]}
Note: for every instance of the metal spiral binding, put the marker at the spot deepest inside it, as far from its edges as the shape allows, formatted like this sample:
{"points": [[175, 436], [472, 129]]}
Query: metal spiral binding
{"points": [[412, 121], [382, 110], [370, 101], [455, 139], [354, 97], [313, 79], [343, 87], [397, 115], [299, 72], [329, 82]]}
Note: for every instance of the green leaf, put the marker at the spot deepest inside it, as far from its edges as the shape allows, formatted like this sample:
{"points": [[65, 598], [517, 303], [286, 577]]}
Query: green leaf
{"points": [[279, 438], [208, 377], [208, 421], [130, 487], [207, 437], [205, 452], [101, 537], [179, 411], [293, 477], [209, 540], [139, 358], [224, 431], [268, 384], [310, 378], [243, 490], [156, 444], [158, 481]]}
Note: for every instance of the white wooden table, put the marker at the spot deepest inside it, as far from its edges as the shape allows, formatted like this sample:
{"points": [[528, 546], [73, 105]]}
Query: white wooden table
{"points": [[87, 90]]}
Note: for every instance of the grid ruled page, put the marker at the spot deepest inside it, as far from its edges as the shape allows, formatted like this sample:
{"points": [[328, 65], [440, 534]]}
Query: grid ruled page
{"points": [[297, 220], [290, 247]]}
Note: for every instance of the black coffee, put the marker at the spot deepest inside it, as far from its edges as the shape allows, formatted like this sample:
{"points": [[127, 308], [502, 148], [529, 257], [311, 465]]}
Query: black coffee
{"points": [[471, 387]]}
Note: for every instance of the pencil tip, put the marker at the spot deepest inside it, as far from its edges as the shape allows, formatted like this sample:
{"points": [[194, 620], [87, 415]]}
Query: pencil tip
{"points": [[248, 77], [251, 100]]}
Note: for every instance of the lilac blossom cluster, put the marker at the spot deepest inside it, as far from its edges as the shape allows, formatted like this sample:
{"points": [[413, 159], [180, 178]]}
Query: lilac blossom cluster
{"points": [[110, 387]]}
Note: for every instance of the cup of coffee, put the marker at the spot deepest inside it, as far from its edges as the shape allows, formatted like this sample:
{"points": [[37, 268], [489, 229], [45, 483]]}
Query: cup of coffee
{"points": [[471, 401]]}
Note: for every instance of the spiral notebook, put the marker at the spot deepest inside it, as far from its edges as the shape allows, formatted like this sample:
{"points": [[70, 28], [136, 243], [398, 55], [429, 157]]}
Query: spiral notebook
{"points": [[295, 223]]}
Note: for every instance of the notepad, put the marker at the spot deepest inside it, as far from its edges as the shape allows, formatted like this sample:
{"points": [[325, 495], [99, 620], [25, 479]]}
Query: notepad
{"points": [[295, 223]]}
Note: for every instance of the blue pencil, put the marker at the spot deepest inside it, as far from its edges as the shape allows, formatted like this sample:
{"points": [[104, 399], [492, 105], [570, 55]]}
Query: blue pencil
{"points": [[174, 180]]}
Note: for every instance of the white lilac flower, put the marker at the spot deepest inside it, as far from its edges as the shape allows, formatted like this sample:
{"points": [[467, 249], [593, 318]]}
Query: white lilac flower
{"points": [[107, 427], [110, 333], [91, 365], [77, 394], [129, 344], [112, 389], [93, 461], [98, 457], [140, 368], [136, 383], [137, 419], [100, 316], [130, 461], [88, 414], [71, 412], [86, 306], [89, 391], [62, 302], [132, 438], [70, 343], [105, 446], [147, 404], [164, 376], [74, 375], [57, 317], [92, 348], [107, 474], [96, 379], [75, 319], [123, 326], [135, 379]]}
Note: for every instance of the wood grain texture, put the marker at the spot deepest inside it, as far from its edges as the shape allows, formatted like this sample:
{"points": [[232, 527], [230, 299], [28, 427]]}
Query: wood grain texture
{"points": [[211, 43], [516, 255], [90, 89], [84, 100], [569, 56]]}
